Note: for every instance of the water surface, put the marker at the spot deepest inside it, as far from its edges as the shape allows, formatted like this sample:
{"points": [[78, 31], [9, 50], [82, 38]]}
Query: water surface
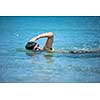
{"points": [[70, 33]]}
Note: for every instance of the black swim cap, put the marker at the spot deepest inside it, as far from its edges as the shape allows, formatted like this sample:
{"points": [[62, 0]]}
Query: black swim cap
{"points": [[30, 45]]}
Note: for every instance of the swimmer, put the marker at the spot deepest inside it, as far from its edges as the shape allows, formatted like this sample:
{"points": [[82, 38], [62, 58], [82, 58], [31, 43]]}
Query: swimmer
{"points": [[32, 45]]}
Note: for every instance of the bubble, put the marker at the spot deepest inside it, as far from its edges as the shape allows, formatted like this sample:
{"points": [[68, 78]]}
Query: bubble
{"points": [[17, 35]]}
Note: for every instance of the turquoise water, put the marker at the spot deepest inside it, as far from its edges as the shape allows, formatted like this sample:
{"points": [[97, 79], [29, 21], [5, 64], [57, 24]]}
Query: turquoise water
{"points": [[70, 33]]}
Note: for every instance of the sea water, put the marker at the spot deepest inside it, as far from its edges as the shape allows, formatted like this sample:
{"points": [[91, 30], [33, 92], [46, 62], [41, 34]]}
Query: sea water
{"points": [[70, 33]]}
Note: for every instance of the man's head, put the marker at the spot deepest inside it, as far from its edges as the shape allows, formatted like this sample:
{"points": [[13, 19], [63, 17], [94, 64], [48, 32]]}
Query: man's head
{"points": [[32, 46]]}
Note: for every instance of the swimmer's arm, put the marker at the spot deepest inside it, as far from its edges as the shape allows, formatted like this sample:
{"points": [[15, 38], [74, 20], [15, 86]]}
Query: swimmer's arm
{"points": [[48, 34], [49, 42]]}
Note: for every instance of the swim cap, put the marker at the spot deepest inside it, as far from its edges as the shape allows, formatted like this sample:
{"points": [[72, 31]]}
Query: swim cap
{"points": [[30, 45]]}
